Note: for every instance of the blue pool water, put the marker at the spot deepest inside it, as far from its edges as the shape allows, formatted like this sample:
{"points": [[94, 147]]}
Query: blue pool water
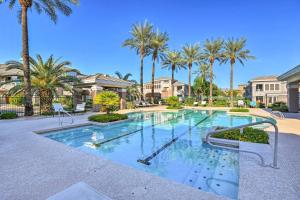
{"points": [[187, 160]]}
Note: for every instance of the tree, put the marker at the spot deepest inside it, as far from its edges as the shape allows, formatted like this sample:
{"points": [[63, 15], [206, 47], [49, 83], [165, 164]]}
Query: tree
{"points": [[174, 61], [109, 100], [141, 34], [126, 77], [234, 49], [49, 7], [158, 46], [191, 55], [46, 78], [212, 52], [201, 85]]}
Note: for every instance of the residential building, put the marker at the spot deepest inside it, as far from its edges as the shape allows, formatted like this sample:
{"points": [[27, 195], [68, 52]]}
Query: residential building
{"points": [[267, 90], [12, 77], [292, 78], [163, 88]]}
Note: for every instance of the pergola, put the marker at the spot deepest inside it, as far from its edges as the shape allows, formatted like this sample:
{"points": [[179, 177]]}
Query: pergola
{"points": [[293, 79]]}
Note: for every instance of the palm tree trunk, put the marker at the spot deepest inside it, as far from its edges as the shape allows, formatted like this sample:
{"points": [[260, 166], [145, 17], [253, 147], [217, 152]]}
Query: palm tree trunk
{"points": [[26, 66], [211, 83], [142, 77], [190, 67], [231, 84], [152, 85], [172, 81], [46, 99]]}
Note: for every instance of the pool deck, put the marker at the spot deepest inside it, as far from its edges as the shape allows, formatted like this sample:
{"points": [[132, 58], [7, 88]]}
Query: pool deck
{"points": [[34, 167]]}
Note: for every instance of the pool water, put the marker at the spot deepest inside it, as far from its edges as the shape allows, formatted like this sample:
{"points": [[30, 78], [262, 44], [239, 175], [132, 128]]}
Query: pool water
{"points": [[170, 142]]}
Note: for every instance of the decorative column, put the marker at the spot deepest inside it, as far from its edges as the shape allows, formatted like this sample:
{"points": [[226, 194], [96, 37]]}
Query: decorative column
{"points": [[122, 99], [95, 89], [293, 97]]}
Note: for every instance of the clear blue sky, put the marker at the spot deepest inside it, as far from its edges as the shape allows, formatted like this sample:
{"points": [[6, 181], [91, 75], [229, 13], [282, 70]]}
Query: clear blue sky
{"points": [[91, 38]]}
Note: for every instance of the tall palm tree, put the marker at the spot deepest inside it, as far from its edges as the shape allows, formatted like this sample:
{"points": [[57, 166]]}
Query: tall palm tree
{"points": [[191, 54], [211, 53], [141, 34], [49, 7], [46, 78], [158, 45], [234, 49], [174, 61]]}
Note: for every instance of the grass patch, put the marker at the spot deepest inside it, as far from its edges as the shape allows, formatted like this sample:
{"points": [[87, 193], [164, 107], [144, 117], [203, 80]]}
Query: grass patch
{"points": [[9, 115], [239, 110], [249, 135], [174, 107], [104, 118]]}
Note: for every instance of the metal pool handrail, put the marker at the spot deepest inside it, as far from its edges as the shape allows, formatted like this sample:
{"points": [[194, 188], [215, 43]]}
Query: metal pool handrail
{"points": [[275, 153], [281, 115]]}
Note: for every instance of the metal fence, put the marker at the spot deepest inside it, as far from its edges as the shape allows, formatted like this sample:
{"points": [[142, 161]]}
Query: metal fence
{"points": [[16, 104]]}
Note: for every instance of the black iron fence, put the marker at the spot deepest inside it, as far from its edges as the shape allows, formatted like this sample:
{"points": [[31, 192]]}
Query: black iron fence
{"points": [[16, 104]]}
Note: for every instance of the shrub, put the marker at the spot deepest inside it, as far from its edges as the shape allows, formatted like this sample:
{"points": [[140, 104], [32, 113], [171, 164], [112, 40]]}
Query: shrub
{"points": [[261, 105], [130, 105], [189, 101], [279, 106], [104, 118], [16, 100], [173, 103], [108, 100], [239, 110], [249, 135], [8, 115], [220, 102]]}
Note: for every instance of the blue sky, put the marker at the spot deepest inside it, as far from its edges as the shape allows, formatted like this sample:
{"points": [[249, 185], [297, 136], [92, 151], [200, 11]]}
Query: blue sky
{"points": [[92, 37]]}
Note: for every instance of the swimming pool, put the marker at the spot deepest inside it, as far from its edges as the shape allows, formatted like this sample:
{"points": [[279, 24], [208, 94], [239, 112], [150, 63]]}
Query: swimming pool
{"points": [[167, 144]]}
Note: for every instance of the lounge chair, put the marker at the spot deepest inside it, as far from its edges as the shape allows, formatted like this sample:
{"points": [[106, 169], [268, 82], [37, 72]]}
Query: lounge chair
{"points": [[58, 108], [196, 103], [80, 108], [252, 104], [241, 103], [203, 103]]}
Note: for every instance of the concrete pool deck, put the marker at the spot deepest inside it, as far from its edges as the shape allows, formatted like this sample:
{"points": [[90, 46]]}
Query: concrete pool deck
{"points": [[34, 167]]}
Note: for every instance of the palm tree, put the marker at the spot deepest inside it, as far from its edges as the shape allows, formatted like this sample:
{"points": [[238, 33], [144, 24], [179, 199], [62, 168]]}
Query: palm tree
{"points": [[141, 34], [234, 49], [46, 77], [125, 77], [174, 61], [191, 55], [201, 83], [158, 45], [211, 53], [49, 7]]}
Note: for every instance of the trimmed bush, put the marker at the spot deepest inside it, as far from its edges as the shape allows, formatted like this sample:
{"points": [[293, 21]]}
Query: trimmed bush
{"points": [[9, 115], [130, 105], [279, 106], [17, 100], [239, 110], [109, 101], [189, 101], [220, 103], [173, 103], [249, 135], [104, 118]]}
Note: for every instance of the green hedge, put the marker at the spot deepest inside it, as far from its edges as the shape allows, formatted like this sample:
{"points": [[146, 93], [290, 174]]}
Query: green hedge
{"points": [[279, 106], [239, 110], [104, 118], [174, 107], [249, 135], [9, 115]]}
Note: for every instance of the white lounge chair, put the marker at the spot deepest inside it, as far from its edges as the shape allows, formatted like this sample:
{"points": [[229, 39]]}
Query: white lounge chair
{"points": [[80, 108], [196, 103], [241, 103], [203, 103], [59, 109]]}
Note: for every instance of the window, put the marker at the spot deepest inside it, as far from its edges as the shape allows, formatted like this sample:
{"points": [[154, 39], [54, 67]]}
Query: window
{"points": [[260, 99], [259, 87], [267, 87], [272, 87], [277, 87]]}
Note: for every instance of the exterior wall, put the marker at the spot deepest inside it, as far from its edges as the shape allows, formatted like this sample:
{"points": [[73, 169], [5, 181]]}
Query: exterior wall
{"points": [[164, 88], [268, 92]]}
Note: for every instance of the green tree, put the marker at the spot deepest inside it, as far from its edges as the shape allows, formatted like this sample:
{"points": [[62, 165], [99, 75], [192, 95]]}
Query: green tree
{"points": [[201, 85], [158, 45], [49, 7], [125, 77], [234, 49], [141, 34], [191, 55], [174, 61], [108, 100], [46, 78], [211, 53]]}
